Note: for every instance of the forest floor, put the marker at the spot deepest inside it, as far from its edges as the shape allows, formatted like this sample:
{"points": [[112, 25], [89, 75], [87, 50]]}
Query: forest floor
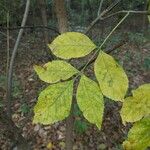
{"points": [[134, 58]]}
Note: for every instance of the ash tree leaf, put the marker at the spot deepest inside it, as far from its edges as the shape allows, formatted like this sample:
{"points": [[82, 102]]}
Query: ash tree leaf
{"points": [[139, 136], [90, 101], [54, 103], [71, 45], [111, 77], [55, 71], [137, 106]]}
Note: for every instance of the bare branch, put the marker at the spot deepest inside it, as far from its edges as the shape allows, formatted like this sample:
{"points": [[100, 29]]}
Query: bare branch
{"points": [[11, 38], [100, 7], [10, 71], [126, 11], [107, 51], [32, 27], [8, 45], [101, 15]]}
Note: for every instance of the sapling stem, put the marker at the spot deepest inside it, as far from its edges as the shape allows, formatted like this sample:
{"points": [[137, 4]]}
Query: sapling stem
{"points": [[99, 48]]}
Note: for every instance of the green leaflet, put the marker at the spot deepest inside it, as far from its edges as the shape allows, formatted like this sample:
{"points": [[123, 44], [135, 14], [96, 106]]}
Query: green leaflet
{"points": [[55, 71], [90, 101], [136, 107], [54, 103], [139, 136], [71, 45], [111, 77]]}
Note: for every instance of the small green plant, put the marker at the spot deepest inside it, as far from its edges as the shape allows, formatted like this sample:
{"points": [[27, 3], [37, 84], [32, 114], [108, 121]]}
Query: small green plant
{"points": [[54, 102], [16, 86], [24, 109], [146, 64], [80, 124], [138, 38]]}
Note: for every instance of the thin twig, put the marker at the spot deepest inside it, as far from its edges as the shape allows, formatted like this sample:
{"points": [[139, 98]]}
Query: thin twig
{"points": [[125, 11], [13, 39], [120, 44], [8, 45], [10, 38], [10, 71], [127, 14], [101, 15], [107, 51], [100, 47], [31, 27], [100, 7], [8, 48]]}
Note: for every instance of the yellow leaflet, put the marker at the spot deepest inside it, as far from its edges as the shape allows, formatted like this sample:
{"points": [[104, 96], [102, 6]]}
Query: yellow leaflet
{"points": [[90, 101], [137, 106], [111, 77], [54, 103], [142, 90], [55, 71], [139, 136], [71, 45]]}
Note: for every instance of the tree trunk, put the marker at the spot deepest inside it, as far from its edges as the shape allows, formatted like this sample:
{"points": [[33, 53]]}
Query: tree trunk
{"points": [[12, 60], [61, 15], [69, 128], [63, 27], [42, 6], [145, 19], [5, 116]]}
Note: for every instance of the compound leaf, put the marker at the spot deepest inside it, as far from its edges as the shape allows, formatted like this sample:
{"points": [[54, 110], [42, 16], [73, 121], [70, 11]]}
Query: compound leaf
{"points": [[54, 103], [90, 101], [139, 136], [71, 45], [111, 77], [137, 106], [55, 71]]}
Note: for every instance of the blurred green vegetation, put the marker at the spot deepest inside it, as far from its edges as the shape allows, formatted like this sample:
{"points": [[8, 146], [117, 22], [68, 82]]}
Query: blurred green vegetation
{"points": [[80, 125], [79, 12], [17, 90]]}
